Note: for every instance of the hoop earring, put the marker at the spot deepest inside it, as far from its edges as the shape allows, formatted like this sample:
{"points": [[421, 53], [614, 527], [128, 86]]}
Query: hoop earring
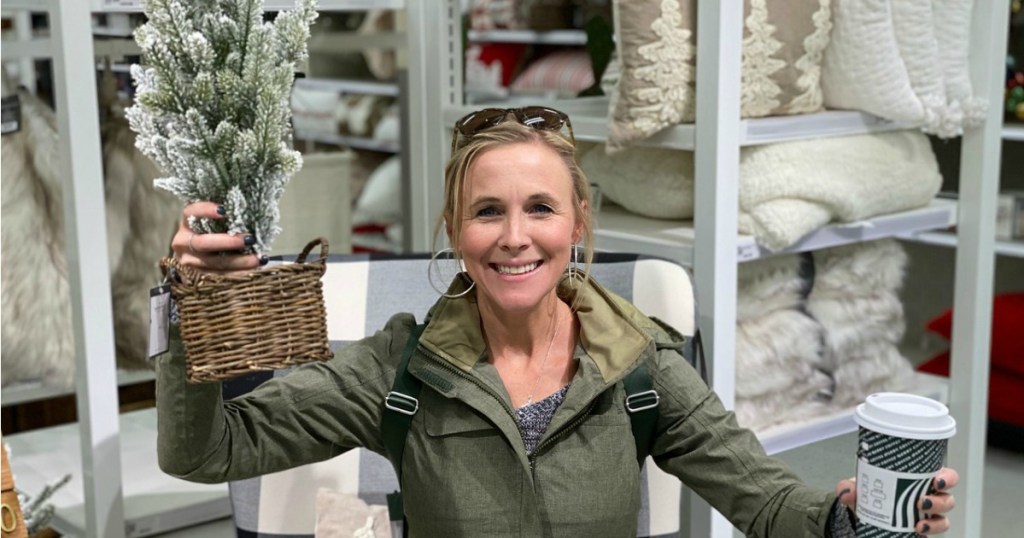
{"points": [[572, 269], [430, 277]]}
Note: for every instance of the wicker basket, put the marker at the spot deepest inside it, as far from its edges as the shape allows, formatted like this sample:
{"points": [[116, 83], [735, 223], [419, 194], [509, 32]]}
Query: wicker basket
{"points": [[263, 320]]}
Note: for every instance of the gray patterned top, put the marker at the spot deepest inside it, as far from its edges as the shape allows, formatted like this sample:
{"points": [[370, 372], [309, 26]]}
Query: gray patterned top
{"points": [[534, 419]]}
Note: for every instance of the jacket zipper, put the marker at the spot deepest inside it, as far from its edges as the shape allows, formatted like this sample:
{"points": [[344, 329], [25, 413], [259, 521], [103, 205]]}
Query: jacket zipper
{"points": [[561, 431], [532, 457]]}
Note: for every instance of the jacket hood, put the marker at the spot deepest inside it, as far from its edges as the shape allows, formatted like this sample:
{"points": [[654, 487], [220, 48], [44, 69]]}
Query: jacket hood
{"points": [[612, 331]]}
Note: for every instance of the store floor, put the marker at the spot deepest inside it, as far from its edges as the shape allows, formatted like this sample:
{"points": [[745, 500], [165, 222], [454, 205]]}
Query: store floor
{"points": [[823, 464]]}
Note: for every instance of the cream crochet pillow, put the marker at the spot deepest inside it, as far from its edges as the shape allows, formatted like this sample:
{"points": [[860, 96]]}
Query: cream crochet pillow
{"points": [[783, 45]]}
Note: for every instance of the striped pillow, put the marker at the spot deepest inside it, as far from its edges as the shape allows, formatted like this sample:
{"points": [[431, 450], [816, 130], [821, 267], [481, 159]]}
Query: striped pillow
{"points": [[563, 72]]}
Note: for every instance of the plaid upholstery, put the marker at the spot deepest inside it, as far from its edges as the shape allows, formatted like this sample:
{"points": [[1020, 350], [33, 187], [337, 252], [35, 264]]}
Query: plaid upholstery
{"points": [[362, 292]]}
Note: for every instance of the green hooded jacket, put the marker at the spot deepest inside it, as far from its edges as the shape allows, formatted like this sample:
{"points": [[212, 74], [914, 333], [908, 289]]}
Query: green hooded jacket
{"points": [[465, 470]]}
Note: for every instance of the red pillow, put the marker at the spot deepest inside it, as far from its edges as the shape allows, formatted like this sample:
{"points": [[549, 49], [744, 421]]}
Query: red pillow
{"points": [[1007, 327], [509, 54], [1004, 389]]}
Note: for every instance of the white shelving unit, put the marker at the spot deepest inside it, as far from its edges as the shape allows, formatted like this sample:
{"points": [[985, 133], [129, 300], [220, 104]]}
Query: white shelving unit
{"points": [[1013, 249], [34, 390], [1014, 133], [553, 37], [711, 243], [789, 436], [590, 123], [71, 46], [365, 87], [620, 230]]}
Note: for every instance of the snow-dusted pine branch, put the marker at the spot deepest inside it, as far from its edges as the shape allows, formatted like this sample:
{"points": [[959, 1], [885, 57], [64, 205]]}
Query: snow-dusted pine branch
{"points": [[212, 105]]}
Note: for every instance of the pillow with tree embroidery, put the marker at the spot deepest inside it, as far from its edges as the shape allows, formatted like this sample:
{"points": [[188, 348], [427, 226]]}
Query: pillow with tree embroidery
{"points": [[783, 43]]}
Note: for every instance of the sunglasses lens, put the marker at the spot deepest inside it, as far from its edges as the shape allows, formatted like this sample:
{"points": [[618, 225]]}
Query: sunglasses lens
{"points": [[537, 117], [480, 120]]}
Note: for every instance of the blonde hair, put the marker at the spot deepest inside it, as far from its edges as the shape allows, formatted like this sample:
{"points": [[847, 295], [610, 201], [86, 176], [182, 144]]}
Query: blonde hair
{"points": [[506, 133]]}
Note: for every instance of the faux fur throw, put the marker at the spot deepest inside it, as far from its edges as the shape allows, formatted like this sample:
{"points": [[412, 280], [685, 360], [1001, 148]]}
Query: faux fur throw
{"points": [[856, 299], [779, 369], [802, 352], [37, 332]]}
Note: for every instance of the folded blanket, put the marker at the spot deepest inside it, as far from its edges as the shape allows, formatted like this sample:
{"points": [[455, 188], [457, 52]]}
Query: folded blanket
{"points": [[790, 189]]}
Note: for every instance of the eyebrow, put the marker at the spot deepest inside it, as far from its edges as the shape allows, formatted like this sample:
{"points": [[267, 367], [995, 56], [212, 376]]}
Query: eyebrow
{"points": [[537, 197]]}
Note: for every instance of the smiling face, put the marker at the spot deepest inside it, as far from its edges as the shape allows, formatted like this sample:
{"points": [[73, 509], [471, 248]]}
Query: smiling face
{"points": [[518, 225]]}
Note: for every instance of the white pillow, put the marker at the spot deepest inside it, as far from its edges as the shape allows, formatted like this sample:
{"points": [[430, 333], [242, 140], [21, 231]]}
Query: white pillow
{"points": [[650, 181], [862, 68], [914, 27], [952, 32], [381, 199]]}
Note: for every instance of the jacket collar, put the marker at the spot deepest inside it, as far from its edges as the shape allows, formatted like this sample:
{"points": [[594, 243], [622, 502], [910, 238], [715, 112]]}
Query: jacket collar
{"points": [[612, 331]]}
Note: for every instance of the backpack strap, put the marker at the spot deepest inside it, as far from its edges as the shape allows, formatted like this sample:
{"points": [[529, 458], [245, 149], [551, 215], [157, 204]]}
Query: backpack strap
{"points": [[401, 404], [642, 406]]}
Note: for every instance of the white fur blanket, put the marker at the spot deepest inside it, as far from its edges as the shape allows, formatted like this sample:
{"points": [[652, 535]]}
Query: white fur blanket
{"points": [[856, 299], [779, 357], [798, 358], [37, 333]]}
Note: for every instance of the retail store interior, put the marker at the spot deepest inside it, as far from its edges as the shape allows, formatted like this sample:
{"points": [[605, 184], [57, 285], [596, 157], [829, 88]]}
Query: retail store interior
{"points": [[853, 225]]}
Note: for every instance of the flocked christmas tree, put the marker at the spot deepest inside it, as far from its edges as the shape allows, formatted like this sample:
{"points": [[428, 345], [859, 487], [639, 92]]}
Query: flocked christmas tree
{"points": [[213, 105]]}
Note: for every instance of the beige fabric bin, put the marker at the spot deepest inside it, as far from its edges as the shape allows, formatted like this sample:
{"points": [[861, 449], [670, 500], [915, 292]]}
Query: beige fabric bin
{"points": [[317, 202]]}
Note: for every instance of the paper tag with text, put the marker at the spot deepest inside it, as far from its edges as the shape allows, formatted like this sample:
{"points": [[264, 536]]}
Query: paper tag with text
{"points": [[159, 319]]}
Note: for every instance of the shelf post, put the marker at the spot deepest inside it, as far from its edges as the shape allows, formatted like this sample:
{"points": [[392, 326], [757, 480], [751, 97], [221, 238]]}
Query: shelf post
{"points": [[975, 266], [716, 157], [435, 81], [88, 268]]}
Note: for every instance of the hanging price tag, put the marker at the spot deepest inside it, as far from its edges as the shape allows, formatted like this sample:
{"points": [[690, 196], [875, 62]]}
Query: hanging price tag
{"points": [[159, 319], [11, 122]]}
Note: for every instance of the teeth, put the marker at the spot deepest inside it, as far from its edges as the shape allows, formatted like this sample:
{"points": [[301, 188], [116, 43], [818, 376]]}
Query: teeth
{"points": [[517, 270]]}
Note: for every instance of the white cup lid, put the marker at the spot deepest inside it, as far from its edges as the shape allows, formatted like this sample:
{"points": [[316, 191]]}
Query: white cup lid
{"points": [[905, 415]]}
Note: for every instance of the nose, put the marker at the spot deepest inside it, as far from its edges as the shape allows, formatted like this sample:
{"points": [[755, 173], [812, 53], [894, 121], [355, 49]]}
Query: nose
{"points": [[515, 236]]}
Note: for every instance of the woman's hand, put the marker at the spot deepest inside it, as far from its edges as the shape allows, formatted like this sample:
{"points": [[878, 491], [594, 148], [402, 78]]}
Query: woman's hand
{"points": [[212, 253], [933, 506]]}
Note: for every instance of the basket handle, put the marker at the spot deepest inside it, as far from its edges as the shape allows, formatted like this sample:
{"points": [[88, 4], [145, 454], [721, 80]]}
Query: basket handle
{"points": [[322, 241]]}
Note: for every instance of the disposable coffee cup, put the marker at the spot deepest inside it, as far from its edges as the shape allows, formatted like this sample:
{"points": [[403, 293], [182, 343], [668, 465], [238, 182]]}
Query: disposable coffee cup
{"points": [[902, 445]]}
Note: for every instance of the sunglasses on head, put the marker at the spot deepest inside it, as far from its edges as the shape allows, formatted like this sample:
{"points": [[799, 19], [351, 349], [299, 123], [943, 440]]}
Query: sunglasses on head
{"points": [[534, 117]]}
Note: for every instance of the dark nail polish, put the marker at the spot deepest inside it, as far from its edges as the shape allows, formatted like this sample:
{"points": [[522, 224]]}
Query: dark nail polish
{"points": [[844, 492], [264, 260], [926, 504], [941, 483], [926, 528], [220, 210], [250, 240]]}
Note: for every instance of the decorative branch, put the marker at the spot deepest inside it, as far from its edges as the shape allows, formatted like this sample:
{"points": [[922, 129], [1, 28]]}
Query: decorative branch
{"points": [[213, 104]]}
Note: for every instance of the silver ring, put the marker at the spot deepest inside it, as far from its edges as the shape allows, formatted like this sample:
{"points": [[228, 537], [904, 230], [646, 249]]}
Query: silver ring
{"points": [[190, 249]]}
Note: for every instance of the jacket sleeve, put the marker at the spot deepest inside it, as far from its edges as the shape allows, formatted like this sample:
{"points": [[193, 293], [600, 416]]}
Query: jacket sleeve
{"points": [[699, 441], [312, 414]]}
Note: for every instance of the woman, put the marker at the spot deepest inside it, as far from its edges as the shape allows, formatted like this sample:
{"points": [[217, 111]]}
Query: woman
{"points": [[522, 428]]}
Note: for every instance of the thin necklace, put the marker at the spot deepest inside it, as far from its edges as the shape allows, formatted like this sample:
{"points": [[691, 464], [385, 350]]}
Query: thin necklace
{"points": [[543, 365]]}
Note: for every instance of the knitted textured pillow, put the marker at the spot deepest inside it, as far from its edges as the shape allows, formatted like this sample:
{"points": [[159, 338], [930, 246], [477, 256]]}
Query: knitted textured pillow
{"points": [[914, 29], [783, 45], [862, 68], [952, 32]]}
